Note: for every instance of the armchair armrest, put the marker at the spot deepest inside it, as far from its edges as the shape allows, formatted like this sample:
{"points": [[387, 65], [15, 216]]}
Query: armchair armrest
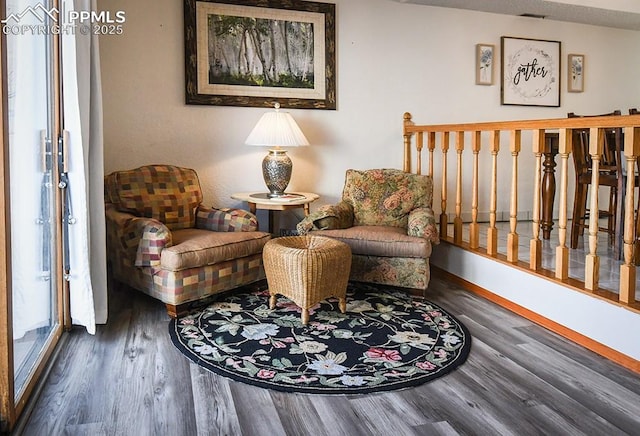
{"points": [[327, 217], [116, 218], [422, 223], [151, 236], [140, 239], [226, 220]]}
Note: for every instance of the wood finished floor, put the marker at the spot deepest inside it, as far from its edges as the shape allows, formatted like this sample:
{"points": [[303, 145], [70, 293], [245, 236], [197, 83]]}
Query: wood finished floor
{"points": [[519, 379]]}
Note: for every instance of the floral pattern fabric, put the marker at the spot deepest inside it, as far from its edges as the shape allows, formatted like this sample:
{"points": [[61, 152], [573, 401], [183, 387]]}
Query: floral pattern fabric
{"points": [[385, 196], [422, 223], [406, 272], [386, 340], [327, 217], [382, 197]]}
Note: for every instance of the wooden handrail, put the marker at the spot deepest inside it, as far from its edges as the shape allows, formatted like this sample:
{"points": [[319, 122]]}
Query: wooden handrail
{"points": [[544, 124]]}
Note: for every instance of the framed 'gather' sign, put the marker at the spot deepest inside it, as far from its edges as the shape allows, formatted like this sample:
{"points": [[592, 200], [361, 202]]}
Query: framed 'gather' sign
{"points": [[530, 72]]}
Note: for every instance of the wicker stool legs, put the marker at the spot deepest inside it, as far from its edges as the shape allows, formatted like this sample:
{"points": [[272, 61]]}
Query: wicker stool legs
{"points": [[342, 304], [307, 270]]}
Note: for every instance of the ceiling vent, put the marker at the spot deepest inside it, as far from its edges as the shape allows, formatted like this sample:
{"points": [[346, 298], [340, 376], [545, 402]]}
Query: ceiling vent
{"points": [[534, 16]]}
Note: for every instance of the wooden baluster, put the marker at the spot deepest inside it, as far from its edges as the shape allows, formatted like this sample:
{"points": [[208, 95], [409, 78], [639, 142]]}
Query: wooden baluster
{"points": [[474, 230], [407, 141], [492, 232], [592, 262], [443, 200], [565, 146], [419, 144], [535, 245], [628, 269], [431, 146], [549, 151], [512, 237], [457, 221]]}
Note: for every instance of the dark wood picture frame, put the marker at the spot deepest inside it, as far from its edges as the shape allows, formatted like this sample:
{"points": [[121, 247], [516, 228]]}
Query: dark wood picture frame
{"points": [[317, 90]]}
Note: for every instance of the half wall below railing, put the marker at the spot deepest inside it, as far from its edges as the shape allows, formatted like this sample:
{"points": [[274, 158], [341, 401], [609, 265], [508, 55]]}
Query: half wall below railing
{"points": [[427, 149]]}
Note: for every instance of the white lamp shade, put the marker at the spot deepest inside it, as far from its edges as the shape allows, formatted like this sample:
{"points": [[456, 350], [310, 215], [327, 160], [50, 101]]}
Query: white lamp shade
{"points": [[277, 129]]}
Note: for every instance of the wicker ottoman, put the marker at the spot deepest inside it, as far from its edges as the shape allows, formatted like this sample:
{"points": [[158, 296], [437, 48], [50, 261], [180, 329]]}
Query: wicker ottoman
{"points": [[307, 269]]}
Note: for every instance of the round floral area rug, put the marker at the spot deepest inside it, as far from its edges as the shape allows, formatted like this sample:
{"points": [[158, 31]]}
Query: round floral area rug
{"points": [[386, 340]]}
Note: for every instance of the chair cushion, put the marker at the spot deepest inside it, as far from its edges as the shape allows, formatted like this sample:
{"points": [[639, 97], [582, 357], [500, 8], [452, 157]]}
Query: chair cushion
{"points": [[383, 241], [193, 248], [167, 193], [385, 196]]}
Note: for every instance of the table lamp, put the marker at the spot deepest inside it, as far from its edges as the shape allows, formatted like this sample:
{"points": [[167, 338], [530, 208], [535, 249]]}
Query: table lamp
{"points": [[276, 129]]}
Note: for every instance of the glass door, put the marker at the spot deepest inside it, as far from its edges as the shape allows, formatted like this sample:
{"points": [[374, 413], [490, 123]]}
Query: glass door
{"points": [[31, 126]]}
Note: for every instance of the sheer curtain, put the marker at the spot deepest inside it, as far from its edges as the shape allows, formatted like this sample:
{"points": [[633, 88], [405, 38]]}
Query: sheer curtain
{"points": [[30, 194], [83, 120]]}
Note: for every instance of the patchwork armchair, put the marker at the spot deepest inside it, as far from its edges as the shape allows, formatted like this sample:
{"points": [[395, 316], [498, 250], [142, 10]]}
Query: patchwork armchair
{"points": [[162, 241], [385, 216]]}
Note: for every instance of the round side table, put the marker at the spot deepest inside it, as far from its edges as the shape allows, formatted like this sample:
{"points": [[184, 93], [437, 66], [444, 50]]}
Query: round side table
{"points": [[292, 200]]}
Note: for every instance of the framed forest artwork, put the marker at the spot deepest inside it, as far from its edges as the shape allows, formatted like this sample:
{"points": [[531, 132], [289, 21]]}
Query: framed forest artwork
{"points": [[257, 52]]}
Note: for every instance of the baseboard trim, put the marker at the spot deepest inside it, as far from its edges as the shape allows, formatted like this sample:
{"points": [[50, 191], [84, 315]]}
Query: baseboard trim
{"points": [[573, 336]]}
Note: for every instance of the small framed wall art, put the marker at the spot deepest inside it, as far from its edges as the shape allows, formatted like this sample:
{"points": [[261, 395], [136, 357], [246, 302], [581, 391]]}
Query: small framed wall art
{"points": [[485, 54], [575, 78], [530, 72]]}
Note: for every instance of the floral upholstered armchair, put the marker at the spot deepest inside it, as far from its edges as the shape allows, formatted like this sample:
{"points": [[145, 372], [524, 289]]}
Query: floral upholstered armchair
{"points": [[162, 241], [385, 216]]}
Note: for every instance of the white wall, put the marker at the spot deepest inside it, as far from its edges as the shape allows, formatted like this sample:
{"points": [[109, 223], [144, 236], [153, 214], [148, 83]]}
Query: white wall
{"points": [[577, 311], [391, 58]]}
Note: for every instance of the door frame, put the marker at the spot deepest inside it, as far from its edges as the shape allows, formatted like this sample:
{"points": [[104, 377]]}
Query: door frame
{"points": [[12, 405]]}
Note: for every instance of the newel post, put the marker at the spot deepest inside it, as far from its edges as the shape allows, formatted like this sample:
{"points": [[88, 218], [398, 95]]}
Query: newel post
{"points": [[407, 141]]}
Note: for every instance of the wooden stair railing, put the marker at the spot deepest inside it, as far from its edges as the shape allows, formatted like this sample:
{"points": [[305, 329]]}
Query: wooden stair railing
{"points": [[491, 146]]}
